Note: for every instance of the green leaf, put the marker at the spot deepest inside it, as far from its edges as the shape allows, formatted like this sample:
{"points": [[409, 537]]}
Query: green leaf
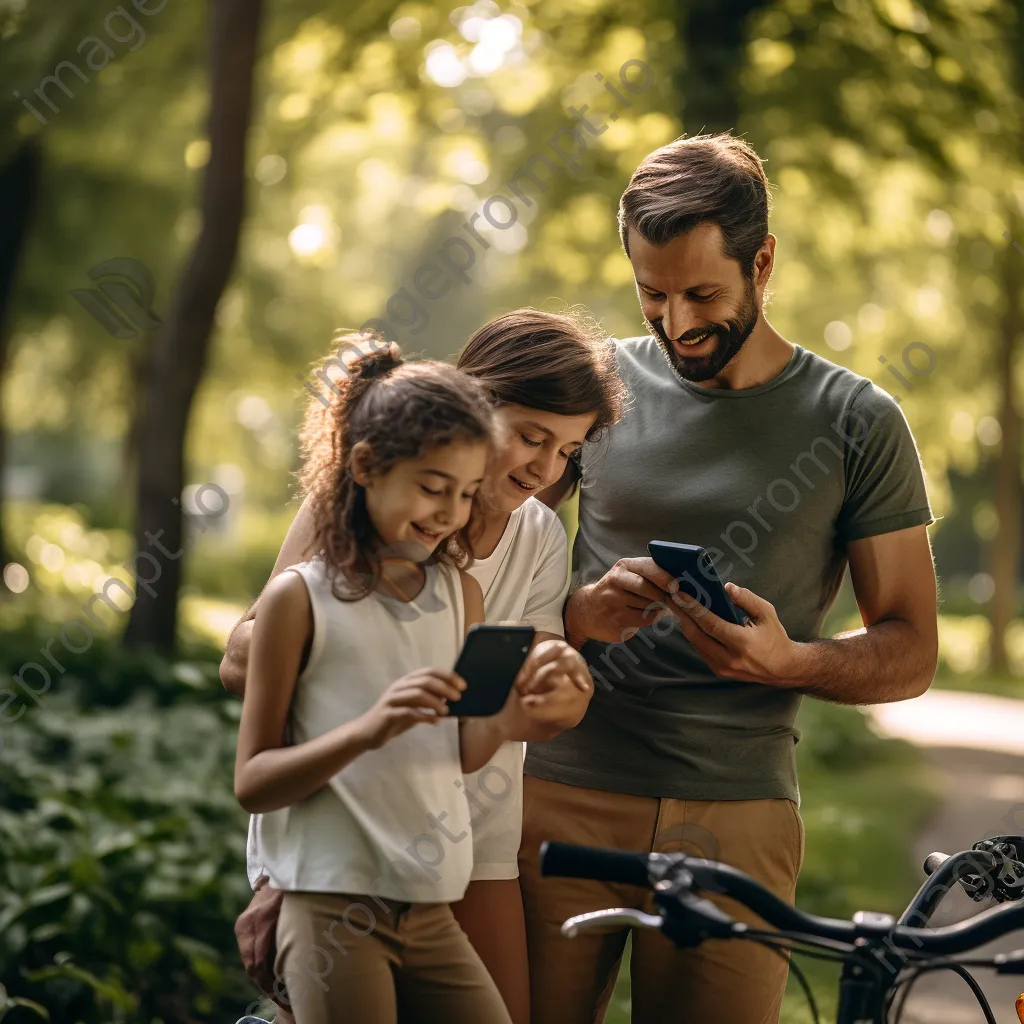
{"points": [[30, 1004], [49, 894]]}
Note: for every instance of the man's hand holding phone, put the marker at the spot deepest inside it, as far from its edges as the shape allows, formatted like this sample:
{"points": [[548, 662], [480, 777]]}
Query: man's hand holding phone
{"points": [[633, 593], [759, 652], [636, 591]]}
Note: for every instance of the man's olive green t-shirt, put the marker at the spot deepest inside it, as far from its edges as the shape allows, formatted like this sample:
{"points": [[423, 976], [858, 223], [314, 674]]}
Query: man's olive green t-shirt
{"points": [[774, 481]]}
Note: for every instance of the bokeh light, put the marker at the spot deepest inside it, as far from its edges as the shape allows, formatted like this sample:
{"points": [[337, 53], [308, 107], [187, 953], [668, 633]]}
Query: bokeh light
{"points": [[16, 577]]}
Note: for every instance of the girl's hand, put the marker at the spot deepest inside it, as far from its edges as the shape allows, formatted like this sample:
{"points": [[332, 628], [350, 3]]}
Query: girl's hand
{"points": [[551, 694], [420, 696], [552, 665]]}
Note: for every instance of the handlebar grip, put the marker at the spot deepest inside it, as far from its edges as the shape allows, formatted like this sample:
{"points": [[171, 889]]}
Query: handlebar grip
{"points": [[566, 861], [933, 861]]}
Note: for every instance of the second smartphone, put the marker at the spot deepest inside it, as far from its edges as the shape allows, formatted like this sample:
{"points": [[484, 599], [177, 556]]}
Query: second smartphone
{"points": [[490, 661]]}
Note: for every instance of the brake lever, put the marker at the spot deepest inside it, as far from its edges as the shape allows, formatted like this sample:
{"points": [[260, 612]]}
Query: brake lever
{"points": [[1007, 877], [996, 872], [689, 919], [598, 920]]}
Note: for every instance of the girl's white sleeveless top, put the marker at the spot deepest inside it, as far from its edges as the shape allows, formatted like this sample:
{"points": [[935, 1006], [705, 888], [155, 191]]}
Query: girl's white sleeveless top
{"points": [[395, 821]]}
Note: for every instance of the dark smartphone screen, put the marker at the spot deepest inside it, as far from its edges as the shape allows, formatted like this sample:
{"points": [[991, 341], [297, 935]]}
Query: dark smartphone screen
{"points": [[490, 661], [694, 570]]}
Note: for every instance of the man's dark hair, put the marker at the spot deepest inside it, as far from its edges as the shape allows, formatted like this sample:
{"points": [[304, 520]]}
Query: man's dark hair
{"points": [[716, 178]]}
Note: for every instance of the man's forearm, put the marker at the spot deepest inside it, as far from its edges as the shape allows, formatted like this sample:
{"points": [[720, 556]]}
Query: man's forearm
{"points": [[573, 617], [886, 662]]}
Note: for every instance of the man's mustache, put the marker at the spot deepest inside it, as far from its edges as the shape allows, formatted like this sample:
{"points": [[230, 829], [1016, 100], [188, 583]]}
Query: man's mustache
{"points": [[693, 333]]}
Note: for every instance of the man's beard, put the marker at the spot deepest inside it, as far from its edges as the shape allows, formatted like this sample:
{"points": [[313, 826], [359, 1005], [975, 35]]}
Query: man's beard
{"points": [[730, 338]]}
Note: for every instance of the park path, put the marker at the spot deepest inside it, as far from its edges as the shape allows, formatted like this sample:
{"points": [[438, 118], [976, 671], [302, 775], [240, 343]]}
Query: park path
{"points": [[976, 742]]}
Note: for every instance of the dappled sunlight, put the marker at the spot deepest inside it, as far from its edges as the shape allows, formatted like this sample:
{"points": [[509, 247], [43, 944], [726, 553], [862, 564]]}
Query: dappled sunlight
{"points": [[209, 620], [417, 169], [943, 718]]}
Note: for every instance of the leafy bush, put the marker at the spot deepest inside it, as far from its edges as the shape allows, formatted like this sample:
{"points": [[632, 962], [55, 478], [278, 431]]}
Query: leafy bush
{"points": [[838, 737], [108, 676], [121, 845]]}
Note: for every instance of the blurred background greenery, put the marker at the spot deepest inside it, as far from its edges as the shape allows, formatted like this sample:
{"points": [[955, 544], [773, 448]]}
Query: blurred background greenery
{"points": [[891, 131]]}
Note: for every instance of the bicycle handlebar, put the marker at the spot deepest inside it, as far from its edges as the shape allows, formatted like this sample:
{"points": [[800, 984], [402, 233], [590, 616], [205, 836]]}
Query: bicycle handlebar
{"points": [[645, 870], [563, 860]]}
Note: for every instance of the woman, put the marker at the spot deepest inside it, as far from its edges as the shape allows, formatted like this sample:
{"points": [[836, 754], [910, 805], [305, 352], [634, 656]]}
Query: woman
{"points": [[554, 382]]}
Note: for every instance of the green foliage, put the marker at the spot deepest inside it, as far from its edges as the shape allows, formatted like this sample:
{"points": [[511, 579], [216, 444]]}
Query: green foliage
{"points": [[890, 131], [122, 846], [837, 738], [863, 800]]}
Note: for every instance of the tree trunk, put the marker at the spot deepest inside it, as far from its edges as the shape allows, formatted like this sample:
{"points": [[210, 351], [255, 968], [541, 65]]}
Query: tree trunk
{"points": [[19, 184], [180, 347], [713, 33], [1005, 552], [138, 371]]}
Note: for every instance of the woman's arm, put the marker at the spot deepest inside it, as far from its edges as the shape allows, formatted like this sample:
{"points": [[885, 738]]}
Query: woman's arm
{"points": [[553, 668], [295, 549]]}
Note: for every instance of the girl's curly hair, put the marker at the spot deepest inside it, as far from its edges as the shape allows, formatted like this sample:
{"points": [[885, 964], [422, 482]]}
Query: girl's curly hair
{"points": [[401, 410]]}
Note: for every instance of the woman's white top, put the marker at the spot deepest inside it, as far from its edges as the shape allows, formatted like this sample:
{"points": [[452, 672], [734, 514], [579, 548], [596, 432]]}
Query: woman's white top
{"points": [[395, 821], [524, 580]]}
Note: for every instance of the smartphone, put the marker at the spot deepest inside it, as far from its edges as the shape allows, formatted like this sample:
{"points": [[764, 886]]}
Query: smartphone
{"points": [[694, 569], [490, 661]]}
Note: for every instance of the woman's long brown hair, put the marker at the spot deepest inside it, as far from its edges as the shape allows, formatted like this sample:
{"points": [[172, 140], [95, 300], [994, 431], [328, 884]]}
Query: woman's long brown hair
{"points": [[401, 410]]}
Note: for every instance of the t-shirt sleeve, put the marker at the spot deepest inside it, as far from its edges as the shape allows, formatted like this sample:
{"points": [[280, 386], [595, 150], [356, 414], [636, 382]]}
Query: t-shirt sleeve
{"points": [[885, 488], [550, 582]]}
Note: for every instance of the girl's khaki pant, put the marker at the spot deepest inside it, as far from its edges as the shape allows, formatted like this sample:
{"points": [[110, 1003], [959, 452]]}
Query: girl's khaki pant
{"points": [[367, 960]]}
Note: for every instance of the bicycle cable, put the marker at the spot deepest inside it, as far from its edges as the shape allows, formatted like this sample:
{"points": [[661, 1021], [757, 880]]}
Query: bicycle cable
{"points": [[841, 949], [957, 969], [797, 971]]}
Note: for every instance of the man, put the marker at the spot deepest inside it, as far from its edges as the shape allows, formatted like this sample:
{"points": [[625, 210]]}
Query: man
{"points": [[786, 468]]}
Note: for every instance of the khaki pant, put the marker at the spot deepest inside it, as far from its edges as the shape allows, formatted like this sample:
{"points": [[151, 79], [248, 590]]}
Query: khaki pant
{"points": [[720, 982], [365, 960]]}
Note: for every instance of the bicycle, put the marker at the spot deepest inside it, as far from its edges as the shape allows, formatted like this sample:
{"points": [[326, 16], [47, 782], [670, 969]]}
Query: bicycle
{"points": [[871, 991]]}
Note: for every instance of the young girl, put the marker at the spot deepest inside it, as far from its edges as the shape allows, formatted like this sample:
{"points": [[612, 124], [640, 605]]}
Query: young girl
{"points": [[352, 758], [555, 384]]}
